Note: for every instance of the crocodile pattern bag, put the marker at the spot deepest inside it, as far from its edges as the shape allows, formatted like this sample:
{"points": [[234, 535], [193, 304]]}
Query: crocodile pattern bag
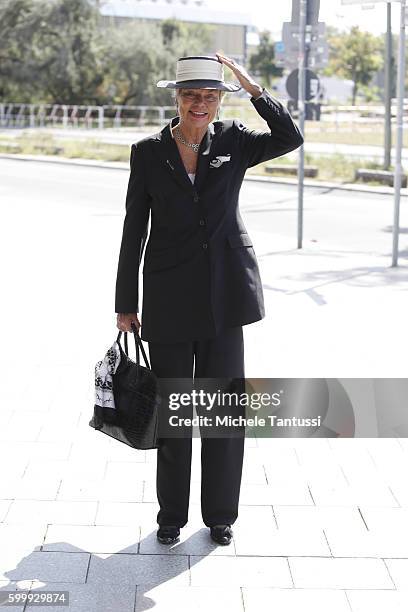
{"points": [[127, 397]]}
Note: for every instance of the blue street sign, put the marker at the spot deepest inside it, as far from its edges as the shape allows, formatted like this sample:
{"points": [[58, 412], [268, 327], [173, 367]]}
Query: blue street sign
{"points": [[280, 47]]}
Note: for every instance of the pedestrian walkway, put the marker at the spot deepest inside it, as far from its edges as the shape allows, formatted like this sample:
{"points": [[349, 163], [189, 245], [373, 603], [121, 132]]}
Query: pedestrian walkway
{"points": [[322, 523]]}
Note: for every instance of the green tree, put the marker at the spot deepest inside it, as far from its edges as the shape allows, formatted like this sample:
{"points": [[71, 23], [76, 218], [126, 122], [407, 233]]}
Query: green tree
{"points": [[261, 63], [138, 54], [50, 51], [64, 52], [74, 49], [19, 20], [130, 55], [354, 55], [171, 30]]}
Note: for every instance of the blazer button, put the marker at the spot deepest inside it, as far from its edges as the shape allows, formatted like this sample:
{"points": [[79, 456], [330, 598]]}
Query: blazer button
{"points": [[205, 245], [202, 222], [196, 198]]}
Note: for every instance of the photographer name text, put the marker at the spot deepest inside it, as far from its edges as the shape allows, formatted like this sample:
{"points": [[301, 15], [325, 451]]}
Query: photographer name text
{"points": [[241, 421]]}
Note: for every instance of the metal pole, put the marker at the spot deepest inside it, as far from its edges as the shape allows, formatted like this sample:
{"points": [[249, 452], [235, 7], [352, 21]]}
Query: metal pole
{"points": [[301, 107], [400, 121], [387, 91], [101, 117]]}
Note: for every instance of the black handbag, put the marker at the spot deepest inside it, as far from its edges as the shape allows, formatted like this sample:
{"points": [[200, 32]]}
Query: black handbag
{"points": [[134, 418]]}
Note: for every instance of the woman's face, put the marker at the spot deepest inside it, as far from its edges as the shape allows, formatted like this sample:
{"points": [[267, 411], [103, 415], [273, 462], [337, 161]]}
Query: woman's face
{"points": [[198, 107]]}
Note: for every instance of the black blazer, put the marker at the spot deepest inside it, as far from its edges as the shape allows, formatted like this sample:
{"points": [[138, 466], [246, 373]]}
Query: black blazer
{"points": [[200, 272]]}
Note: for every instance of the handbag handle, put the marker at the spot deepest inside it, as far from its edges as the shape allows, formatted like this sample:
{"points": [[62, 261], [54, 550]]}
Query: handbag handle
{"points": [[137, 349], [138, 343]]}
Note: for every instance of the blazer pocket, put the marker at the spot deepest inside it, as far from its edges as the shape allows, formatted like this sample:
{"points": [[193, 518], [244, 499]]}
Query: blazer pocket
{"points": [[239, 240], [157, 264]]}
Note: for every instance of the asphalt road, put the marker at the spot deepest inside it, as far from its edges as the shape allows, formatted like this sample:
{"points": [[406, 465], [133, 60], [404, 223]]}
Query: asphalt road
{"points": [[351, 221], [60, 236]]}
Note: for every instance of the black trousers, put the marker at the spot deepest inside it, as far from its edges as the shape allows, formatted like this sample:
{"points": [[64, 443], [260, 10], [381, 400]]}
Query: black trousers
{"points": [[221, 458]]}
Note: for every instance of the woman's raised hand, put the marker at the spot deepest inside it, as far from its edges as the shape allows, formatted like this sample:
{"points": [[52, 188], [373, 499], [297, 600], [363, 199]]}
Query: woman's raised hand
{"points": [[247, 82], [124, 321]]}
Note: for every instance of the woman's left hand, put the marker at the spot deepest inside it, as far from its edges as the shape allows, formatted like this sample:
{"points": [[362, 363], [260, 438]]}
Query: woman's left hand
{"points": [[247, 82]]}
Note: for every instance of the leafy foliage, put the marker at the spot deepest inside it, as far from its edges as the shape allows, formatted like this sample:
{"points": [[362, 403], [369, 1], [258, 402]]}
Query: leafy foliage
{"points": [[262, 62], [50, 51], [140, 54], [62, 52], [354, 55]]}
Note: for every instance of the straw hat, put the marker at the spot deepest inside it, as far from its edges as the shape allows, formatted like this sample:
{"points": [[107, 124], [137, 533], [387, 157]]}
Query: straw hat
{"points": [[201, 72]]}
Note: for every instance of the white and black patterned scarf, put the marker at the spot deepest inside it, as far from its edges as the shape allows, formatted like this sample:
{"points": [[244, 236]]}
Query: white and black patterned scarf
{"points": [[104, 371]]}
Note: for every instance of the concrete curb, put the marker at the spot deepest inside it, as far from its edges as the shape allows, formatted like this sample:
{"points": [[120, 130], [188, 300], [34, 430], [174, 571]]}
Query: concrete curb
{"points": [[55, 159], [92, 163], [329, 185]]}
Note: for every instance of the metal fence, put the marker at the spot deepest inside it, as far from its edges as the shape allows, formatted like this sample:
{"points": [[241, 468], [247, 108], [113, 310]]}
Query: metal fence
{"points": [[15, 115]]}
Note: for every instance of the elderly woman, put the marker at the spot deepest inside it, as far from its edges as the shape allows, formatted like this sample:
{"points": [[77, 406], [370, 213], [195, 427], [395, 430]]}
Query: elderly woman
{"points": [[201, 281]]}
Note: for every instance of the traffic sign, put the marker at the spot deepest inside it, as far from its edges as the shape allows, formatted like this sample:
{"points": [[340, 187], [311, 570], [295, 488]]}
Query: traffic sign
{"points": [[318, 49], [312, 85], [291, 30], [279, 47]]}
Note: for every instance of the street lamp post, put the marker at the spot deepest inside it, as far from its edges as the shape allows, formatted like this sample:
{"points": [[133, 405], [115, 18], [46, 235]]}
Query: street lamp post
{"points": [[302, 108], [400, 133], [388, 91]]}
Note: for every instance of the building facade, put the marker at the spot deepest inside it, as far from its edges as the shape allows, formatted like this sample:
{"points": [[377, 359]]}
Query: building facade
{"points": [[231, 28]]}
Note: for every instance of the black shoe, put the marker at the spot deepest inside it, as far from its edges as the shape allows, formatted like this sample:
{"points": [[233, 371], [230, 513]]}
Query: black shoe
{"points": [[167, 534], [222, 534]]}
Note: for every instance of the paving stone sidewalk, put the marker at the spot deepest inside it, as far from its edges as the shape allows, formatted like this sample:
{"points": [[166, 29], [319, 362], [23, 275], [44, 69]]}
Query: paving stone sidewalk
{"points": [[322, 523]]}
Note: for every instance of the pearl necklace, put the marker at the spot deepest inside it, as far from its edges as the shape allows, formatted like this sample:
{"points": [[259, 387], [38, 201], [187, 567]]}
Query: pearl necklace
{"points": [[194, 145]]}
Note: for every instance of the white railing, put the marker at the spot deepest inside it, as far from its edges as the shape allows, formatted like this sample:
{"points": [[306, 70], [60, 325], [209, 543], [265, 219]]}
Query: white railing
{"points": [[15, 115]]}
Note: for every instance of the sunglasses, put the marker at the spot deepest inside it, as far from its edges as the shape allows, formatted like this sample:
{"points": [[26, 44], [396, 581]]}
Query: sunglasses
{"points": [[190, 96]]}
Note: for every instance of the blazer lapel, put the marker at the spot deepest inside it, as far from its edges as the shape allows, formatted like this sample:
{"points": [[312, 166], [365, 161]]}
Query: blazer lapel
{"points": [[203, 161], [171, 158]]}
